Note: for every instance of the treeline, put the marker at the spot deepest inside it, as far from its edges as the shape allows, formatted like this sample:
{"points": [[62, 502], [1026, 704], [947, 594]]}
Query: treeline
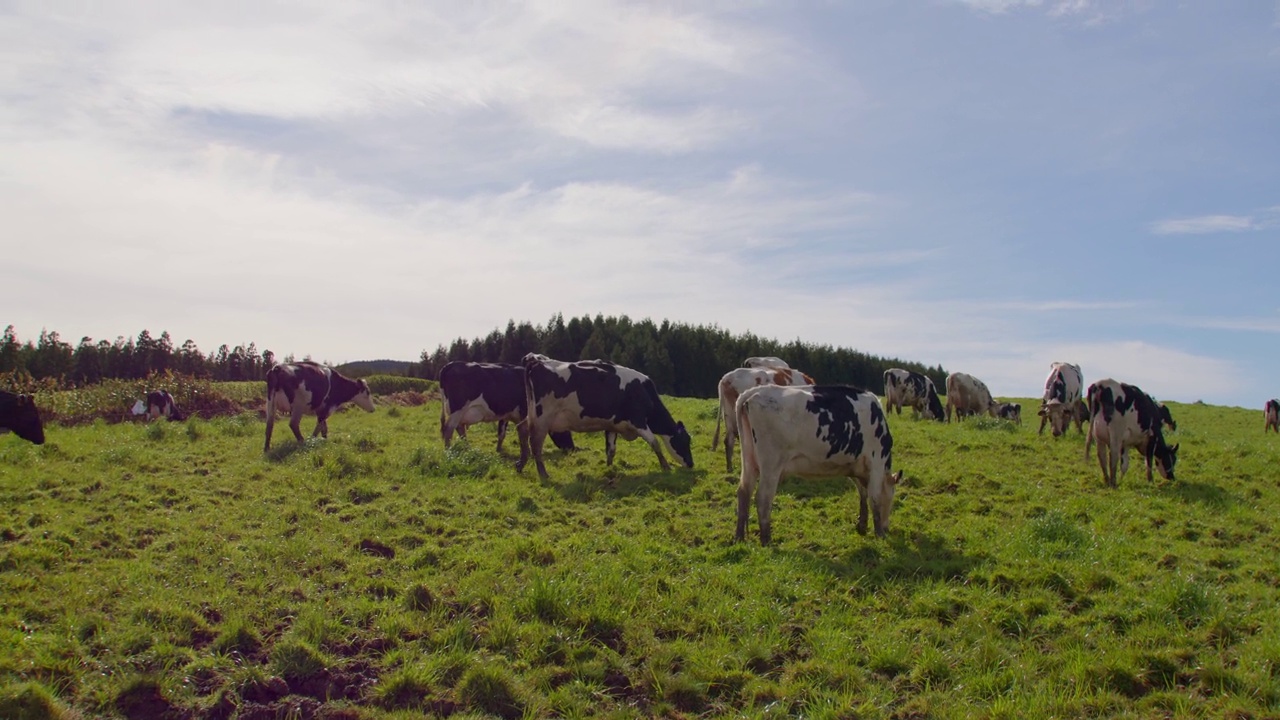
{"points": [[683, 360], [90, 361]]}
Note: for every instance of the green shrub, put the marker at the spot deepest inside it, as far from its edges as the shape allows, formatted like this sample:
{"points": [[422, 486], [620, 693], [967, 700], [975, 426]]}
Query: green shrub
{"points": [[490, 688], [389, 384]]}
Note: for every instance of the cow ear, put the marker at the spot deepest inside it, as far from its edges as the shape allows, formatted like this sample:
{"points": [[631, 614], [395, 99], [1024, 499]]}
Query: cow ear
{"points": [[679, 425], [895, 478]]}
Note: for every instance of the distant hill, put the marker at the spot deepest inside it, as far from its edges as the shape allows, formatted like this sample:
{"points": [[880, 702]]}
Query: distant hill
{"points": [[364, 368]]}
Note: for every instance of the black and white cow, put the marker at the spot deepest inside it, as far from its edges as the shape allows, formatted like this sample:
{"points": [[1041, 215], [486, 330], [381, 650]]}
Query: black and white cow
{"points": [[968, 395], [160, 404], [814, 431], [1271, 414], [1062, 389], [19, 414], [309, 388], [1122, 416], [1010, 411], [597, 396], [734, 383], [487, 392], [913, 389], [767, 361]]}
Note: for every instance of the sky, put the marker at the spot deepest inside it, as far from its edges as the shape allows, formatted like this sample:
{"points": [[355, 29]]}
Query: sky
{"points": [[989, 185]]}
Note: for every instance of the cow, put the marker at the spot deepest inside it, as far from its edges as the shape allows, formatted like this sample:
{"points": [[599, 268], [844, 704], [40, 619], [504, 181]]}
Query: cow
{"points": [[1122, 416], [904, 387], [598, 396], [733, 384], [487, 392], [309, 388], [1061, 390], [19, 414], [1010, 411], [160, 405], [765, 362], [1271, 414], [814, 431], [968, 396]]}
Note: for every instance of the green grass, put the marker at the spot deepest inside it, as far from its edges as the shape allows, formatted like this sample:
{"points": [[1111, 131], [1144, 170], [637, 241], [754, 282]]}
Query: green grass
{"points": [[376, 575]]}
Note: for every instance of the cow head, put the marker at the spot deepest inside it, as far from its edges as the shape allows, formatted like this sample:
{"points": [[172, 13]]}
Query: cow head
{"points": [[25, 421], [934, 409], [363, 397], [1166, 457], [680, 444], [885, 505], [1059, 414]]}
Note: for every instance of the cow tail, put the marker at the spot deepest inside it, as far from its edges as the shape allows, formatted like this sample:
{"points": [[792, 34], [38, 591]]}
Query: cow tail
{"points": [[747, 439], [715, 440], [444, 412], [272, 386]]}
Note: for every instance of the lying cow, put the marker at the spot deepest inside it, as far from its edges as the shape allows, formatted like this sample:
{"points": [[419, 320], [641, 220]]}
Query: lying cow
{"points": [[596, 396], [487, 392], [19, 414], [1124, 417], [814, 431], [767, 361], [309, 388], [1271, 414], [160, 404], [968, 395], [904, 387], [1010, 411], [733, 384], [1062, 389]]}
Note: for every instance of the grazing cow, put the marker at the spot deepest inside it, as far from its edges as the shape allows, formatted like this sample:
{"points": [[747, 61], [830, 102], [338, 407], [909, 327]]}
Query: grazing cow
{"points": [[1061, 390], [733, 384], [309, 388], [969, 396], [1271, 413], [160, 404], [1124, 417], [19, 414], [1010, 411], [815, 431], [903, 387], [595, 396], [487, 392], [765, 362]]}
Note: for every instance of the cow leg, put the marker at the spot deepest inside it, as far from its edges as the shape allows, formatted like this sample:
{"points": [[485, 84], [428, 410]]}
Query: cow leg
{"points": [[764, 503], [652, 439], [1104, 452], [730, 436], [1043, 419], [610, 446], [447, 428], [537, 436], [746, 487], [522, 435], [1149, 453], [1117, 458], [862, 506], [502, 433], [295, 421], [875, 488]]}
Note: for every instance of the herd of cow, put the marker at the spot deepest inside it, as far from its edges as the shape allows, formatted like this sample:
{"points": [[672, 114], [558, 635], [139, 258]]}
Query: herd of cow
{"points": [[788, 425]]}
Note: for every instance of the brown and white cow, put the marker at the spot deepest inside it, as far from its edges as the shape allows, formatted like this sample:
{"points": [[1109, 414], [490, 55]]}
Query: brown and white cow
{"points": [[1062, 389], [1125, 417], [814, 431], [734, 383], [19, 414], [913, 389], [767, 361], [1271, 414], [309, 388], [968, 395], [597, 396]]}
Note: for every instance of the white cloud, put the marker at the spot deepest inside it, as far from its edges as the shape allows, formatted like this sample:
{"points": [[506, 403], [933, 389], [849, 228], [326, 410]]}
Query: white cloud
{"points": [[1203, 225]]}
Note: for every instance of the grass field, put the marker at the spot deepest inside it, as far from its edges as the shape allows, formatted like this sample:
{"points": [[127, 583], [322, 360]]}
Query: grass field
{"points": [[172, 570]]}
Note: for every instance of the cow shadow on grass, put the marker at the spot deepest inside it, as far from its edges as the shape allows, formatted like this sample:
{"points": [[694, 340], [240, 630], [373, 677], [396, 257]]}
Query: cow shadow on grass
{"points": [[1197, 492], [289, 448], [895, 559], [614, 482]]}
